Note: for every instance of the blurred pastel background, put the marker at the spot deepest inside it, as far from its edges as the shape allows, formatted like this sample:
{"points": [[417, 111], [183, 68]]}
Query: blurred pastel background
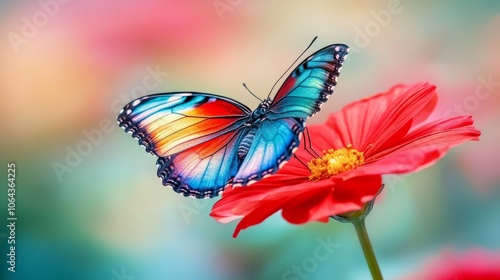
{"points": [[89, 203]]}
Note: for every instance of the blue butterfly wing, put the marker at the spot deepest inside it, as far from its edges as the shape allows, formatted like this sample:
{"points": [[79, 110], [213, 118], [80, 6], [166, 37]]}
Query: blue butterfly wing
{"points": [[309, 85], [195, 136], [272, 146], [300, 96]]}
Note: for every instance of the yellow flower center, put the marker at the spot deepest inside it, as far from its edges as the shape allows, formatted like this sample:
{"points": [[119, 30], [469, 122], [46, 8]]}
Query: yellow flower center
{"points": [[334, 162]]}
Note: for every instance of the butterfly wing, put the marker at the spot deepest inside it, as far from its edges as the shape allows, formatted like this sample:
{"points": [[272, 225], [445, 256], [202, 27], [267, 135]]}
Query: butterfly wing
{"points": [[300, 97], [309, 85], [203, 170], [195, 136], [273, 144]]}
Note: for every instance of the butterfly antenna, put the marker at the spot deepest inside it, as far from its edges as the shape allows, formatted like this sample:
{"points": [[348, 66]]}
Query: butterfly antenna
{"points": [[244, 85], [310, 44]]}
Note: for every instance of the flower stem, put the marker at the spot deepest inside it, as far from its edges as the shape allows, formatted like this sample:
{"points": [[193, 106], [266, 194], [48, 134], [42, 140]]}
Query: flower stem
{"points": [[371, 260]]}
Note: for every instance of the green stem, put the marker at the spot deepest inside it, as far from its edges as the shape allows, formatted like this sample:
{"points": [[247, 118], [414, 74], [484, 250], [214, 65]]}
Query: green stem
{"points": [[371, 260]]}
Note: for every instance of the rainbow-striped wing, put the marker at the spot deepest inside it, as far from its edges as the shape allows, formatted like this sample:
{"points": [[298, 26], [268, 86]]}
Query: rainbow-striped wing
{"points": [[300, 97], [194, 135]]}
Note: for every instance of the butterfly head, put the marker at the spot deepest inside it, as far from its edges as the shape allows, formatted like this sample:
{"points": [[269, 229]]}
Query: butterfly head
{"points": [[261, 110]]}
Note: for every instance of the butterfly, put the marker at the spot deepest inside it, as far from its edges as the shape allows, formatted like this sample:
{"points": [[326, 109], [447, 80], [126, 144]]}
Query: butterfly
{"points": [[206, 142]]}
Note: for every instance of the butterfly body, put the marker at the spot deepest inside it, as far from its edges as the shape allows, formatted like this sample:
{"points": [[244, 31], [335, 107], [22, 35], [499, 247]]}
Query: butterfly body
{"points": [[253, 123], [206, 142]]}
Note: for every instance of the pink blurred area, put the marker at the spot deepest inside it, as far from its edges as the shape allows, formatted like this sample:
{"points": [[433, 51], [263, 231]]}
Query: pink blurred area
{"points": [[474, 264]]}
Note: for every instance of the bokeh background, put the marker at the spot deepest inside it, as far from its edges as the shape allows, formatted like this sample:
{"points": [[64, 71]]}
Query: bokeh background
{"points": [[89, 204]]}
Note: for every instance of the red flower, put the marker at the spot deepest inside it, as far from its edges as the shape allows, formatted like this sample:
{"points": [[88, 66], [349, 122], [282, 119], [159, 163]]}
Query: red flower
{"points": [[379, 135], [473, 265]]}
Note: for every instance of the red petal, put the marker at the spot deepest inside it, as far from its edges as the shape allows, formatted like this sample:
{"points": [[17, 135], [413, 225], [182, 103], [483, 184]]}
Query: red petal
{"points": [[299, 210], [382, 119], [421, 148], [309, 201], [257, 202], [394, 123], [345, 196], [427, 110]]}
